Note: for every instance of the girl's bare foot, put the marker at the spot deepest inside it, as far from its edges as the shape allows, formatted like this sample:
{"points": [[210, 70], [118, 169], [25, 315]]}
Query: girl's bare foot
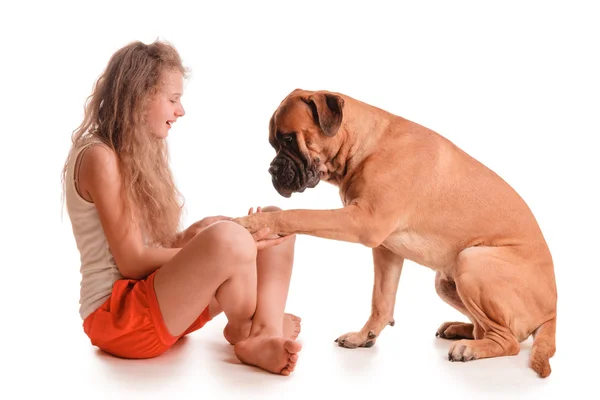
{"points": [[291, 329], [291, 326], [275, 354]]}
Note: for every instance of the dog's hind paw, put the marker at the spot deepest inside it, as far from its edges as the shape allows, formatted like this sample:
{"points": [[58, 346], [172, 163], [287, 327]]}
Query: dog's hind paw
{"points": [[461, 351], [455, 330]]}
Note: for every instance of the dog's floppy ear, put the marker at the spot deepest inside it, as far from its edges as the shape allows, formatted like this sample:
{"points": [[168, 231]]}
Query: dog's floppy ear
{"points": [[327, 111]]}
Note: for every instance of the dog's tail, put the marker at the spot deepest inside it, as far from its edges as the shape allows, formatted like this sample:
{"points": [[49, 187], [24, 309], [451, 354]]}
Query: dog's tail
{"points": [[544, 347]]}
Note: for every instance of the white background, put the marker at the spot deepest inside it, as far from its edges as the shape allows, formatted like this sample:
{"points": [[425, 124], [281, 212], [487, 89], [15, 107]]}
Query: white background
{"points": [[515, 84]]}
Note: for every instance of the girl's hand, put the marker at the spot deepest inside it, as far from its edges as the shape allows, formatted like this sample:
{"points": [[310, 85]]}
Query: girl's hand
{"points": [[263, 238]]}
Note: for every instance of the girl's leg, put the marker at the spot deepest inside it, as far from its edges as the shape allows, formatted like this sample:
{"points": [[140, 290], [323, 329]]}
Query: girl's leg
{"points": [[274, 270], [220, 263]]}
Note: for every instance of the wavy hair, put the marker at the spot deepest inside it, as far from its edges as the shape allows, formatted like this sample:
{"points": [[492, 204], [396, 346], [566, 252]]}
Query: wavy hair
{"points": [[114, 115]]}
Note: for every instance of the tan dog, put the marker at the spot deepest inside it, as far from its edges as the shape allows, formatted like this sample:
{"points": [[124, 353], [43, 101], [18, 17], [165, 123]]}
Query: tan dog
{"points": [[409, 193]]}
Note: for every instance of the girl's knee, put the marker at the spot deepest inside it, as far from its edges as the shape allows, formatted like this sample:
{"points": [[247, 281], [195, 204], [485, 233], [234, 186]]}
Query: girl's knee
{"points": [[231, 241]]}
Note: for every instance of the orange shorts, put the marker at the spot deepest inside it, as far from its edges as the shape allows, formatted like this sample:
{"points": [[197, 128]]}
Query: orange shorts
{"points": [[130, 325]]}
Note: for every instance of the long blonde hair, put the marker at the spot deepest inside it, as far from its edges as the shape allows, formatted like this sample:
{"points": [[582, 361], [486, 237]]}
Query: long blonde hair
{"points": [[114, 114]]}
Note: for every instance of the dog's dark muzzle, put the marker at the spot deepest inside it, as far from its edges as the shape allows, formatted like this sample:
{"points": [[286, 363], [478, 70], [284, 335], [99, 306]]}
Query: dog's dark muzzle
{"points": [[289, 175]]}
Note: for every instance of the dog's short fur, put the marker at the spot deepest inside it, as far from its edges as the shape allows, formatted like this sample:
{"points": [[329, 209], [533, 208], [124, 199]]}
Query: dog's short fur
{"points": [[409, 193]]}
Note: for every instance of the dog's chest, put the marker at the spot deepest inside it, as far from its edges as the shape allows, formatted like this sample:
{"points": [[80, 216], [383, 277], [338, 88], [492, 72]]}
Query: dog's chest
{"points": [[427, 251]]}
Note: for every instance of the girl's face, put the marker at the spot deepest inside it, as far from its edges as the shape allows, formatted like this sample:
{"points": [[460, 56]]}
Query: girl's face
{"points": [[165, 106]]}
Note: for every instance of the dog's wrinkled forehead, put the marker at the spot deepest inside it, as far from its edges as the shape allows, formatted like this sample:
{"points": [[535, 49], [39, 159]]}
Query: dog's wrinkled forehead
{"points": [[292, 116]]}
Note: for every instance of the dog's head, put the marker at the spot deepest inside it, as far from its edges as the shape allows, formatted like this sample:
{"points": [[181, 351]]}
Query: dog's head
{"points": [[302, 131]]}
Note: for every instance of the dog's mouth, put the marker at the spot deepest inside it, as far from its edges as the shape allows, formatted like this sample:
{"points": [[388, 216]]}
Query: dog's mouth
{"points": [[290, 174]]}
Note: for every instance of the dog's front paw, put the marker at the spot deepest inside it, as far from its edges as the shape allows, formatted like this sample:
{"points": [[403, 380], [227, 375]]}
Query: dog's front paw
{"points": [[353, 340], [254, 222]]}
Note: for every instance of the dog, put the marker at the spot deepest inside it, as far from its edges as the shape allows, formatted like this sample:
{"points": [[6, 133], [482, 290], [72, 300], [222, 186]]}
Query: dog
{"points": [[408, 193]]}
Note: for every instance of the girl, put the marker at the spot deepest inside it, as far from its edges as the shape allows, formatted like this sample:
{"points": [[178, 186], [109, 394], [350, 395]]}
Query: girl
{"points": [[144, 285]]}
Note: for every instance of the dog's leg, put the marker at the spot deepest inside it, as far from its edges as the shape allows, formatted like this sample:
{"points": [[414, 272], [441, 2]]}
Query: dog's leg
{"points": [[349, 224], [446, 289], [388, 267], [506, 294]]}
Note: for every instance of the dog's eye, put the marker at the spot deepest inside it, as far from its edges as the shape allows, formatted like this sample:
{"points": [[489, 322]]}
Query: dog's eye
{"points": [[287, 139]]}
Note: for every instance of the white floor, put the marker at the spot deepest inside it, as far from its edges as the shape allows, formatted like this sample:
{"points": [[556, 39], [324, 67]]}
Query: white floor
{"points": [[53, 355], [515, 86]]}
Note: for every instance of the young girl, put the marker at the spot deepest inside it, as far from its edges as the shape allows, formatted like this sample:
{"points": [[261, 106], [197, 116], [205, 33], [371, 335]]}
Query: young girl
{"points": [[144, 285]]}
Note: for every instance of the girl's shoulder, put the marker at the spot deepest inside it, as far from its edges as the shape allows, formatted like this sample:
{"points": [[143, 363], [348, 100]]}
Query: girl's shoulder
{"points": [[98, 158], [97, 169]]}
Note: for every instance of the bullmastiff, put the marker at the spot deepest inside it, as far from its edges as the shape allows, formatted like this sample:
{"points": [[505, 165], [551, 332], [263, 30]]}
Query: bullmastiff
{"points": [[408, 193]]}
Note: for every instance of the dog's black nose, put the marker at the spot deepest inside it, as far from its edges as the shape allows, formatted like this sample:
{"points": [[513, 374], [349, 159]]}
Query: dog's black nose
{"points": [[273, 169]]}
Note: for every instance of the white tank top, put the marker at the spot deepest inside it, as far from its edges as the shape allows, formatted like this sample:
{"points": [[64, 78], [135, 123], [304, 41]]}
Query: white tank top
{"points": [[98, 269]]}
